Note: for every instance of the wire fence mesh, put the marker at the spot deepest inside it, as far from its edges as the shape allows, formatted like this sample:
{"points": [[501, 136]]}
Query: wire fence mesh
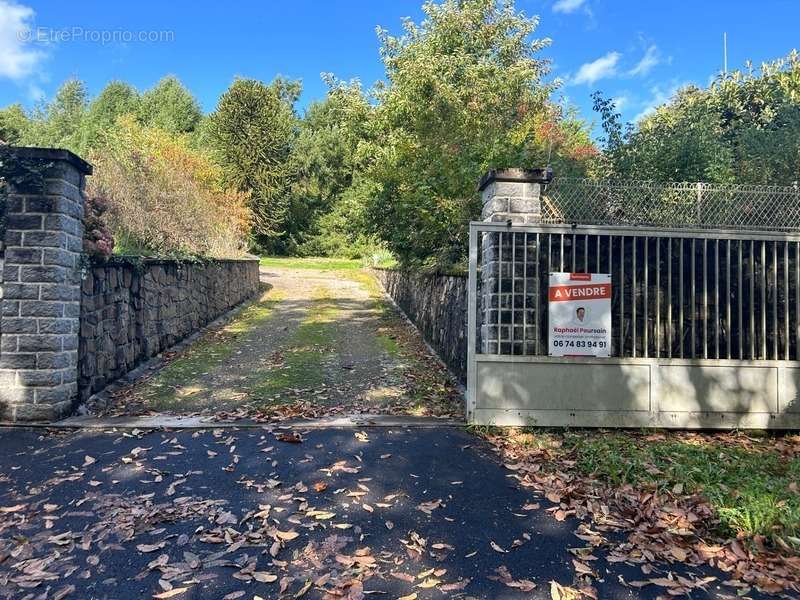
{"points": [[682, 205]]}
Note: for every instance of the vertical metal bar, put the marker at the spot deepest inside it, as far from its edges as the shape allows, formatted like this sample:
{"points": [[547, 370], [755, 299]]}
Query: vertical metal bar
{"points": [[538, 293], [622, 295], [728, 272], [658, 297], [525, 294], [574, 252], [739, 303], [472, 322], [705, 298], [669, 297], [586, 253], [797, 301], [562, 253], [764, 299], [680, 301], [511, 298], [752, 301], [646, 308], [499, 292], [785, 300], [716, 299], [775, 326], [693, 290], [597, 254], [633, 299]]}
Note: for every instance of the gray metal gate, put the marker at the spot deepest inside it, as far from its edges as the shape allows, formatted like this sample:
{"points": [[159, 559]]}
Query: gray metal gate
{"points": [[705, 329]]}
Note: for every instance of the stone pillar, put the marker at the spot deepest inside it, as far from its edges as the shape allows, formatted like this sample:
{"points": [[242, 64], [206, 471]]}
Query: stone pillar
{"points": [[41, 287], [511, 196]]}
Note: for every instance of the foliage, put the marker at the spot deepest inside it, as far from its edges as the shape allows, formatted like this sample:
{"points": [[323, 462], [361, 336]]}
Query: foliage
{"points": [[59, 123], [98, 241], [164, 198], [114, 101], [13, 123], [251, 132], [743, 128], [464, 94], [316, 263], [325, 212], [169, 106], [748, 486]]}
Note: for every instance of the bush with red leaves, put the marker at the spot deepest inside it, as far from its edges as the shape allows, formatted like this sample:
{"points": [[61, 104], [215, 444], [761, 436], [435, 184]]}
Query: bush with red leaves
{"points": [[98, 242]]}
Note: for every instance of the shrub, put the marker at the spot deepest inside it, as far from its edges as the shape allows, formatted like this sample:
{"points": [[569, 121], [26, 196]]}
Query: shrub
{"points": [[98, 242], [165, 198]]}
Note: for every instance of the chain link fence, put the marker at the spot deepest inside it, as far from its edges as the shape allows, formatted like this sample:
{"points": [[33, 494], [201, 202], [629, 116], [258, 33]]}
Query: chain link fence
{"points": [[681, 205]]}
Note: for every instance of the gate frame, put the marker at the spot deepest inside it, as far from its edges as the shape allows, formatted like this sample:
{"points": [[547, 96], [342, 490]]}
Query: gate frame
{"points": [[785, 374]]}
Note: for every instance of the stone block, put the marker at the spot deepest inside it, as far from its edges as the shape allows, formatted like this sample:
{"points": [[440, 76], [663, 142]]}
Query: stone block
{"points": [[19, 325], [18, 361], [63, 292], [21, 291], [59, 257], [29, 256], [41, 308], [38, 378], [55, 325], [53, 360], [24, 222], [40, 343], [44, 239]]}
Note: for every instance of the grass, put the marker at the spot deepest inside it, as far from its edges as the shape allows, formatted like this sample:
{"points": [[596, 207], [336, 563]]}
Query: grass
{"points": [[165, 390], [319, 263], [306, 350], [751, 486]]}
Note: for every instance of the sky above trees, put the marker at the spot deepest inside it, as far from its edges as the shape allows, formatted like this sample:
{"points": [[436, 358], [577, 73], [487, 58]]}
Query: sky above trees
{"points": [[636, 53]]}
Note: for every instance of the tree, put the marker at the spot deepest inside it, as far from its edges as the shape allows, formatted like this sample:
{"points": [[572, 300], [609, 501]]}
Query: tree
{"points": [[163, 197], [170, 107], [325, 164], [14, 124], [117, 99], [59, 123], [251, 133], [464, 94], [743, 128]]}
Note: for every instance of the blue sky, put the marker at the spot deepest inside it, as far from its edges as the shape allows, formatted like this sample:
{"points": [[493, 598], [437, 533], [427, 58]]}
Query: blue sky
{"points": [[638, 52]]}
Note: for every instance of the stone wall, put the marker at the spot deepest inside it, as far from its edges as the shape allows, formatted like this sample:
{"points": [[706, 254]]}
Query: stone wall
{"points": [[132, 311], [437, 305], [67, 328], [40, 290]]}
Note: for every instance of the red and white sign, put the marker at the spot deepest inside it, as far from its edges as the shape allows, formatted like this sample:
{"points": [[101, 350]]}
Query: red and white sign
{"points": [[580, 314]]}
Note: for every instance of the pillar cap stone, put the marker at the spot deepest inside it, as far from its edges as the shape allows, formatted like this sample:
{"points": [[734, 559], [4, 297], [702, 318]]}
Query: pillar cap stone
{"points": [[53, 154], [544, 175]]}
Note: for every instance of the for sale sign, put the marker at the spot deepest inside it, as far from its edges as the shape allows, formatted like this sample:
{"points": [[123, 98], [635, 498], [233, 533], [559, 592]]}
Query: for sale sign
{"points": [[580, 314]]}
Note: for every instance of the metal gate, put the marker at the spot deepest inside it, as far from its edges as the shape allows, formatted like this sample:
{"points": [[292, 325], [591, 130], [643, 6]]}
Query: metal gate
{"points": [[705, 329]]}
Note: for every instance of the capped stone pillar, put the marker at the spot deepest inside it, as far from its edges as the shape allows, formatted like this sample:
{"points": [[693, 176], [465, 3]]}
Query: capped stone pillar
{"points": [[511, 196], [41, 284]]}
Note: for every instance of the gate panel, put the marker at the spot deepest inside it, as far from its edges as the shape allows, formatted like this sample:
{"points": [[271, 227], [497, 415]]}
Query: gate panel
{"points": [[677, 295]]}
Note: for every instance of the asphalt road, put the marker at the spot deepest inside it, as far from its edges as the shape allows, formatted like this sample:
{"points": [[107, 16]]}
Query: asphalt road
{"points": [[99, 507]]}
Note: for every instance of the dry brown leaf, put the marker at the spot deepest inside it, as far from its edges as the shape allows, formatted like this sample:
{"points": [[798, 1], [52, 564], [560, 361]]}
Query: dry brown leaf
{"points": [[170, 593]]}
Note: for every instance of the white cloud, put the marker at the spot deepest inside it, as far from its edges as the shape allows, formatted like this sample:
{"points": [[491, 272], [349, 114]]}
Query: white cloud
{"points": [[567, 6], [17, 58], [621, 101], [659, 94], [602, 68], [650, 59]]}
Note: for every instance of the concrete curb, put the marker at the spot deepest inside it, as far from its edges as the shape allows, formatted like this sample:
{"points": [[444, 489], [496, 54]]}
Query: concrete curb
{"points": [[204, 422]]}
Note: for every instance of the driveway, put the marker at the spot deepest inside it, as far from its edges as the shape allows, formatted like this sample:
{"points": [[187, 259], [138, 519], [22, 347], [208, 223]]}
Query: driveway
{"points": [[282, 513]]}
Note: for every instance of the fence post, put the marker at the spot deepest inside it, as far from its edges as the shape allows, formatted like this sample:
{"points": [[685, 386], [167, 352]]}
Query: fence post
{"points": [[41, 286], [511, 196]]}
